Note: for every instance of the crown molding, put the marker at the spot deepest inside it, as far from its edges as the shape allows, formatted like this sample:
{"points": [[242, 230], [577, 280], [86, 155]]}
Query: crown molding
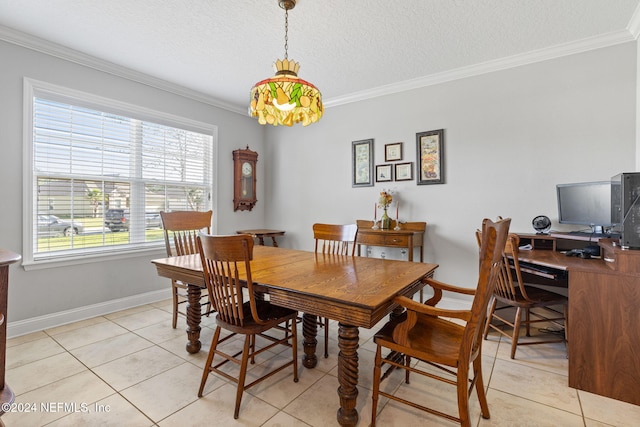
{"points": [[634, 23], [58, 51], [579, 46], [584, 45]]}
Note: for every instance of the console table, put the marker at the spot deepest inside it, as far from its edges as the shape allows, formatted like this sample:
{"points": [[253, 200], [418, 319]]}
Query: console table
{"points": [[6, 258], [410, 235]]}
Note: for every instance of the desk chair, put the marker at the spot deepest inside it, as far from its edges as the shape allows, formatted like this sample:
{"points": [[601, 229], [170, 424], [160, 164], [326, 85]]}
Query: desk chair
{"points": [[513, 293], [222, 257], [180, 231], [424, 332], [333, 239]]}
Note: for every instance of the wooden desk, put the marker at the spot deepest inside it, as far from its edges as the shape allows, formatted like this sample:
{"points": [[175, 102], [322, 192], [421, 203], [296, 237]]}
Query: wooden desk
{"points": [[262, 233], [410, 235], [356, 291], [604, 319], [6, 258]]}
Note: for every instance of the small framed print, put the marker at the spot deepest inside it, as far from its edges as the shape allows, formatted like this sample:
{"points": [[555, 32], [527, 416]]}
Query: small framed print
{"points": [[430, 157], [404, 171], [384, 173], [362, 163], [393, 152]]}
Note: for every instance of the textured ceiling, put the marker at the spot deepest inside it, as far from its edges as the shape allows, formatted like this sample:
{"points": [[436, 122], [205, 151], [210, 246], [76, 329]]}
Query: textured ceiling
{"points": [[345, 47]]}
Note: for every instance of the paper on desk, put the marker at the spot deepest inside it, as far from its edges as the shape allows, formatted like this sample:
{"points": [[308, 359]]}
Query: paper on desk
{"points": [[525, 248]]}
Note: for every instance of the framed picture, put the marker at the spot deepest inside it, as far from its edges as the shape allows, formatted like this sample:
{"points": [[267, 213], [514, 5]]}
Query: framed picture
{"points": [[430, 157], [404, 171], [384, 173], [393, 152], [362, 163]]}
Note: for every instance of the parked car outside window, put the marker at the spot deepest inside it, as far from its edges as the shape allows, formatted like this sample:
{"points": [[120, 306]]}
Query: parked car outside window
{"points": [[118, 220], [51, 225]]}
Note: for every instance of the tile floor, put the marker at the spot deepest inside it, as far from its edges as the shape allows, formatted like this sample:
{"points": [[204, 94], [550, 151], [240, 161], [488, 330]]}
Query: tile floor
{"points": [[130, 368]]}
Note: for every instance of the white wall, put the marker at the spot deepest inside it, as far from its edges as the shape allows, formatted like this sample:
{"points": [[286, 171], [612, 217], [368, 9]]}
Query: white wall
{"points": [[49, 291], [510, 137]]}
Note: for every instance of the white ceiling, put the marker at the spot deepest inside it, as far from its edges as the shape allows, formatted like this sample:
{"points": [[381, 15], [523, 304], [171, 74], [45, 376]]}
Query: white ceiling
{"points": [[349, 49]]}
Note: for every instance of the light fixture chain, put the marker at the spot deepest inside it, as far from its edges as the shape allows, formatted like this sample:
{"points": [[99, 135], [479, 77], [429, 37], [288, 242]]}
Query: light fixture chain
{"points": [[286, 33]]}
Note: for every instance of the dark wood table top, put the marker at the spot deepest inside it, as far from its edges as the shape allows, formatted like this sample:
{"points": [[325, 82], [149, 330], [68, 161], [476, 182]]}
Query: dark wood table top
{"points": [[353, 290]]}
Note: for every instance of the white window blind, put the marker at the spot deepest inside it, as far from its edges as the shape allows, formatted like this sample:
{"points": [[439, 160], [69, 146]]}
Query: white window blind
{"points": [[100, 179]]}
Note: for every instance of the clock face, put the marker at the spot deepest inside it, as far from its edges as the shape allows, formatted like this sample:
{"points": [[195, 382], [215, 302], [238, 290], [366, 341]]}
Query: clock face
{"points": [[246, 169]]}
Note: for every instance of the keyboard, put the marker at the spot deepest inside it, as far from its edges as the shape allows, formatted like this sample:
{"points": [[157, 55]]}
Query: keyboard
{"points": [[595, 235], [542, 270]]}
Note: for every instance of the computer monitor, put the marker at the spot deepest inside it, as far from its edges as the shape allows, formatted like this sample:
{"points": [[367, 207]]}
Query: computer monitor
{"points": [[585, 203]]}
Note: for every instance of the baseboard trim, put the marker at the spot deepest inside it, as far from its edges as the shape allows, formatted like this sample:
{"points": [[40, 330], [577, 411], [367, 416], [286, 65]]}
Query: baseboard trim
{"points": [[35, 324]]}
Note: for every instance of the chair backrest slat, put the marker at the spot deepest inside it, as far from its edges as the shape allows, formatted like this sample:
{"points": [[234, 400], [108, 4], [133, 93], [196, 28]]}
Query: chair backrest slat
{"points": [[181, 228], [335, 238], [224, 258], [493, 238]]}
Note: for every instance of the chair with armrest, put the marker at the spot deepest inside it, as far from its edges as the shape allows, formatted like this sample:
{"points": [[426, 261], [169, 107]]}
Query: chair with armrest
{"points": [[512, 292], [224, 258], [180, 231], [425, 332], [334, 239]]}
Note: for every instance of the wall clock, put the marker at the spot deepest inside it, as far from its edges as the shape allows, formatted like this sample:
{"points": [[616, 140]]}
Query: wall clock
{"points": [[244, 179]]}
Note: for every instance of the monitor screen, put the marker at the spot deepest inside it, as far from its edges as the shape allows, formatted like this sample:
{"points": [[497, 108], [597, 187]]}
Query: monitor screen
{"points": [[585, 203]]}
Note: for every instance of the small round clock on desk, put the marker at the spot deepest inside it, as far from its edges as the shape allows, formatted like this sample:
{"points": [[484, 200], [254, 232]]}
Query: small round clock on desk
{"points": [[244, 179]]}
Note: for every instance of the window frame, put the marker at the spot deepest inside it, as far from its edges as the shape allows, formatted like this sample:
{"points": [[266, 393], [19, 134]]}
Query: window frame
{"points": [[34, 88]]}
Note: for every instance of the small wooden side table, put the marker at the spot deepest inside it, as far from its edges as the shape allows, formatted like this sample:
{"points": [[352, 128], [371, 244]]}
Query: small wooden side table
{"points": [[409, 236], [262, 233]]}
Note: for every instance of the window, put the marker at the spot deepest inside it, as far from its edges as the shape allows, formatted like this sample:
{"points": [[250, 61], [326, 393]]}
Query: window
{"points": [[100, 172]]}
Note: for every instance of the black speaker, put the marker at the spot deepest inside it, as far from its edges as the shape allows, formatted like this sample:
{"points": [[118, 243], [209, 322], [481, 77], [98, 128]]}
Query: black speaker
{"points": [[625, 207]]}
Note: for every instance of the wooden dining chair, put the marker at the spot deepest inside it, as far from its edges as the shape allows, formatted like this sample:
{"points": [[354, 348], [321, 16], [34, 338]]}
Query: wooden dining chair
{"points": [[511, 292], [180, 231], [224, 259], [333, 239], [427, 333]]}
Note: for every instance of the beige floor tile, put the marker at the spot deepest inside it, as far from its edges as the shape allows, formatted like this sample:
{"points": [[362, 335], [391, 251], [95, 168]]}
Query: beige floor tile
{"points": [[129, 311], [317, 406], [31, 351], [531, 390], [22, 339], [42, 372], [139, 366], [89, 334], [429, 392], [284, 420], [113, 348], [551, 357], [75, 325], [113, 411], [162, 331], [216, 408], [168, 392], [611, 411], [280, 389], [143, 319], [73, 394], [534, 384], [508, 410]]}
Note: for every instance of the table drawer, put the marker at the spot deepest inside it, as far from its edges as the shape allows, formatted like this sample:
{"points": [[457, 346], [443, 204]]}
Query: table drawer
{"points": [[383, 240]]}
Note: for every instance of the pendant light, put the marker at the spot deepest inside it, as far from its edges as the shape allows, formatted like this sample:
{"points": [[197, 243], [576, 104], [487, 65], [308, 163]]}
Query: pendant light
{"points": [[285, 99]]}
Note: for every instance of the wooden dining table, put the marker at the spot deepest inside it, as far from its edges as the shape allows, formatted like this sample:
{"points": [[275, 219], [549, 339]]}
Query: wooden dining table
{"points": [[355, 291]]}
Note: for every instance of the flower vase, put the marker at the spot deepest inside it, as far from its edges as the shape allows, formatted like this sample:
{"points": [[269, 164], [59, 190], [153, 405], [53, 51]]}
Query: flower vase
{"points": [[385, 223]]}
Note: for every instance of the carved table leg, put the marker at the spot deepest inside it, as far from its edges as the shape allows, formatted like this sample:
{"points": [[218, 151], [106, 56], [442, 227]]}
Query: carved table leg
{"points": [[309, 331], [273, 239], [193, 318], [348, 374]]}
